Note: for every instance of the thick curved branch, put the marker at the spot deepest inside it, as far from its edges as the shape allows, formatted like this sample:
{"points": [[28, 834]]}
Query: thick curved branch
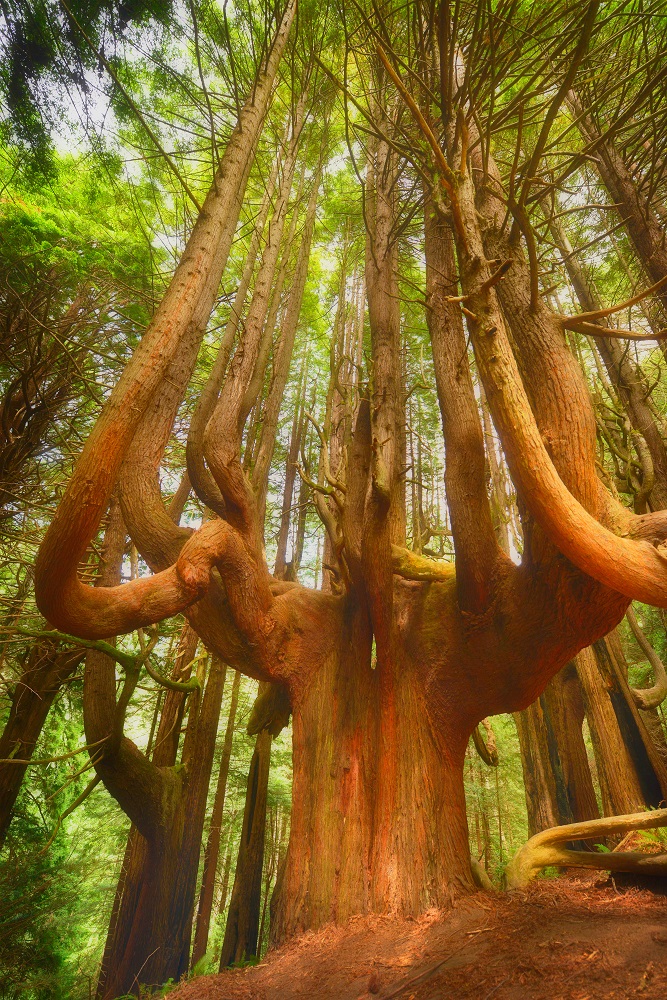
{"points": [[222, 438], [544, 849], [579, 325], [61, 597], [203, 482], [631, 567], [625, 564], [646, 698]]}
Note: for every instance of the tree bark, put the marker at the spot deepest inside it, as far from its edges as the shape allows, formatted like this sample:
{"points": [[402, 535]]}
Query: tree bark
{"points": [[643, 225], [340, 861], [626, 375], [184, 310], [283, 358], [133, 869], [153, 944], [46, 669], [213, 843], [241, 929], [269, 716]]}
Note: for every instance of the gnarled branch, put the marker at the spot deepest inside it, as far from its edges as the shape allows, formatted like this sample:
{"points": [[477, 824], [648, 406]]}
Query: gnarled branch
{"points": [[62, 598], [646, 698], [596, 314], [544, 849]]}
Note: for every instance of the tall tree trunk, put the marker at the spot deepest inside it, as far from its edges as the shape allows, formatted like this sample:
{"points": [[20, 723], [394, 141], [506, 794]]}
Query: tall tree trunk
{"points": [[133, 868], [644, 227], [282, 362], [241, 930], [626, 375], [338, 862], [269, 716], [177, 327], [538, 777], [280, 569], [632, 774], [212, 851], [155, 935]]}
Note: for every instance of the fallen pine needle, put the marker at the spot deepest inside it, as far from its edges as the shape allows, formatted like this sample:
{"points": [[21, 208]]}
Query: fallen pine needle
{"points": [[425, 975]]}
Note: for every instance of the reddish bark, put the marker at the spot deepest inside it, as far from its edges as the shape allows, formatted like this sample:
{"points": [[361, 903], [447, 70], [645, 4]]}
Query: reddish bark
{"points": [[559, 784], [269, 716], [626, 375], [643, 224], [212, 851]]}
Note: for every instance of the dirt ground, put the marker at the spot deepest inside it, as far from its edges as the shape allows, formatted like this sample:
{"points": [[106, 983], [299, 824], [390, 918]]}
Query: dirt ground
{"points": [[572, 938]]}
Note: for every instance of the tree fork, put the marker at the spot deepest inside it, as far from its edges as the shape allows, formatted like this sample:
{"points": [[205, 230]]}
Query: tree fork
{"points": [[64, 601]]}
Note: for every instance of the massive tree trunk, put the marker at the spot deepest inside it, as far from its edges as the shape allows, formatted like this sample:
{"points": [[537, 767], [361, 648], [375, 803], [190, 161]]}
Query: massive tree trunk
{"points": [[340, 861]]}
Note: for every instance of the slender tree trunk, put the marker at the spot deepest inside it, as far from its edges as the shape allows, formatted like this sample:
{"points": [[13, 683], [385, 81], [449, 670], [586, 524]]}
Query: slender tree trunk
{"points": [[626, 375], [270, 870], [213, 843], [282, 362], [224, 888], [280, 569], [269, 716], [644, 227], [46, 670], [241, 930]]}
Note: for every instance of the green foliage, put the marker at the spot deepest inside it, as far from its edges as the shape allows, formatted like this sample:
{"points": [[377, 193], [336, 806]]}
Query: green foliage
{"points": [[48, 48], [55, 897]]}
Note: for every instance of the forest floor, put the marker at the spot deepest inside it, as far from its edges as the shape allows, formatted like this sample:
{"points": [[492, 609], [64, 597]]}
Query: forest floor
{"points": [[578, 937]]}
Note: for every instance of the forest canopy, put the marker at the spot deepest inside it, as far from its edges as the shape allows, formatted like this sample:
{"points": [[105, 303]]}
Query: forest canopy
{"points": [[333, 466]]}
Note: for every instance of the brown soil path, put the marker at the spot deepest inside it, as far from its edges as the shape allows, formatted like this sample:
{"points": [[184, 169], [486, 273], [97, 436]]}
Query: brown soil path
{"points": [[563, 939]]}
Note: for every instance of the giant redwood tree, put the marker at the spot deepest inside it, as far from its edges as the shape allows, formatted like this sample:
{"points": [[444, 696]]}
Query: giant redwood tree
{"points": [[391, 666]]}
